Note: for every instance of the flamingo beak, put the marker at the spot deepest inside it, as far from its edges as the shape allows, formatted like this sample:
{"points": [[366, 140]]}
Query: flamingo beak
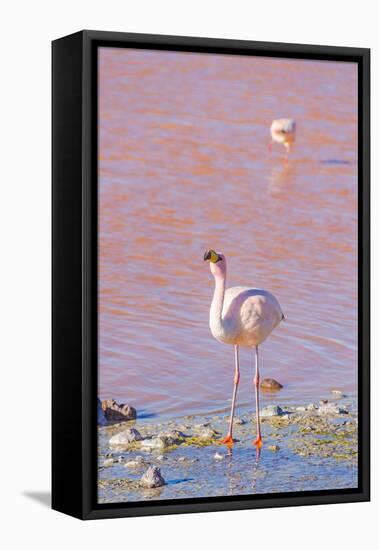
{"points": [[212, 256]]}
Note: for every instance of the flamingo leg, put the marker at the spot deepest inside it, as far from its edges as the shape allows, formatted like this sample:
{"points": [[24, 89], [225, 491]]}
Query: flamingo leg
{"points": [[258, 440], [287, 145], [229, 438]]}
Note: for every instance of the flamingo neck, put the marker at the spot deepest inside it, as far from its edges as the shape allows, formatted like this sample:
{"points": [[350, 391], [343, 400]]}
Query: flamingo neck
{"points": [[215, 317]]}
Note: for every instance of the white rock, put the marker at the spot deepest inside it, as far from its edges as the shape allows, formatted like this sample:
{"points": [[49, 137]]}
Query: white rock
{"points": [[153, 443], [338, 393], [331, 408], [108, 462], [125, 437], [203, 425], [164, 439], [135, 462], [218, 456], [237, 420], [208, 433], [271, 410]]}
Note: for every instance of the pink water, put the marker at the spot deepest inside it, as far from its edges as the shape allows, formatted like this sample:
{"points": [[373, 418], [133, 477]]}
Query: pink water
{"points": [[184, 166]]}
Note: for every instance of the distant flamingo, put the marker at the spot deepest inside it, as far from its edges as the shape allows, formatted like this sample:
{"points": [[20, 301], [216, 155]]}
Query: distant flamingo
{"points": [[241, 316], [283, 130]]}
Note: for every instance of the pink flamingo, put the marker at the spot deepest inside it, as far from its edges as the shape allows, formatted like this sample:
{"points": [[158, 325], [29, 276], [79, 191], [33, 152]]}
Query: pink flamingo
{"points": [[241, 316]]}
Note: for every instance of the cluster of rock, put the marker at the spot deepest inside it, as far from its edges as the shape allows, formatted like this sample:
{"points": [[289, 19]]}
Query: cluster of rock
{"points": [[165, 439], [324, 408]]}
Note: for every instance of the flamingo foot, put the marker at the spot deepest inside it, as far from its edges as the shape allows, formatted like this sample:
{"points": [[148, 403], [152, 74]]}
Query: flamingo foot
{"points": [[258, 442], [228, 440]]}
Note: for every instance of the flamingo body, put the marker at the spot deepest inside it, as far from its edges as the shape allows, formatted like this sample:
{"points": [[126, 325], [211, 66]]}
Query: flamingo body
{"points": [[249, 315], [283, 130]]}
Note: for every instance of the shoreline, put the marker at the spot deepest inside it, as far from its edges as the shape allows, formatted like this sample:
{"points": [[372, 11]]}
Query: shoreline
{"points": [[306, 447]]}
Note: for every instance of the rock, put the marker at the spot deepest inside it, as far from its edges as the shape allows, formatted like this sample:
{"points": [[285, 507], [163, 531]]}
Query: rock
{"points": [[153, 443], [270, 384], [161, 457], [114, 412], [331, 408], [237, 420], [135, 462], [203, 425], [187, 460], [218, 456], [101, 420], [312, 407], [172, 437], [152, 478], [125, 438], [271, 410], [108, 462], [208, 433], [164, 439], [323, 401], [338, 393], [273, 448], [301, 409]]}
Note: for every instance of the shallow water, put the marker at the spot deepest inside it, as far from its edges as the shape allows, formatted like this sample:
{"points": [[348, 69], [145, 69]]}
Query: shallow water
{"points": [[184, 166], [322, 458]]}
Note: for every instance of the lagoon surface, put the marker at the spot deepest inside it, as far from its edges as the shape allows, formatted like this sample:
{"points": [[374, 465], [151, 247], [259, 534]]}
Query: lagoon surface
{"points": [[183, 167]]}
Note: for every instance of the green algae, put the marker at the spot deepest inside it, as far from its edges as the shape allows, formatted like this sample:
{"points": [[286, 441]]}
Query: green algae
{"points": [[198, 441]]}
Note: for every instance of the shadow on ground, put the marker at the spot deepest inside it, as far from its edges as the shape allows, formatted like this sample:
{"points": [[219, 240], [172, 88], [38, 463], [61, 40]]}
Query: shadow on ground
{"points": [[42, 497]]}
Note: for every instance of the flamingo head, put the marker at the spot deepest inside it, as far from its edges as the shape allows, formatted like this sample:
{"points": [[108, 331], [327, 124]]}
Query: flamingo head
{"points": [[217, 263]]}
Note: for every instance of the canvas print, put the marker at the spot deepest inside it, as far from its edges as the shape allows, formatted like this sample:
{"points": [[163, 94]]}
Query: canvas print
{"points": [[227, 268]]}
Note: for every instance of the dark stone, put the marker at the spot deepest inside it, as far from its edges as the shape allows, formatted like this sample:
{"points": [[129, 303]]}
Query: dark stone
{"points": [[114, 412], [152, 478], [270, 384]]}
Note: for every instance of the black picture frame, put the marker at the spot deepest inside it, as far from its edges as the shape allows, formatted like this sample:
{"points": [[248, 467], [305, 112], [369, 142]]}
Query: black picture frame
{"points": [[74, 272]]}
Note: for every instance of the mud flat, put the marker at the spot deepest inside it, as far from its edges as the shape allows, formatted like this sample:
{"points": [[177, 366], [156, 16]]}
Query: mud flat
{"points": [[306, 447]]}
